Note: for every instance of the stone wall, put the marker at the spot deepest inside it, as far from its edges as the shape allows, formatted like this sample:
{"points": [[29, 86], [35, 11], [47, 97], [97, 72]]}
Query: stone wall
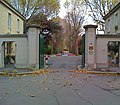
{"points": [[96, 47], [102, 48], [27, 48], [21, 49]]}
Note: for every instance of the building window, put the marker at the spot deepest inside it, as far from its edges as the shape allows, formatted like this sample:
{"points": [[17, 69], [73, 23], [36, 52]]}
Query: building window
{"points": [[108, 26], [18, 25], [116, 21], [9, 22]]}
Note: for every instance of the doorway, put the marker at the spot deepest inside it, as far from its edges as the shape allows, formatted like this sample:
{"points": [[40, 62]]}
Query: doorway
{"points": [[113, 54], [9, 54]]}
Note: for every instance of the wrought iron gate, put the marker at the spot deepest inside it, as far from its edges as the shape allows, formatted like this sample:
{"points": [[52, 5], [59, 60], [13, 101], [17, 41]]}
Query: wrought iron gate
{"points": [[83, 51], [41, 51]]}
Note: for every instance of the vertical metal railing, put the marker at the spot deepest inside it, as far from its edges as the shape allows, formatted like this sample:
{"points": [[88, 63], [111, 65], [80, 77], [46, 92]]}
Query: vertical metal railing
{"points": [[41, 51], [83, 51]]}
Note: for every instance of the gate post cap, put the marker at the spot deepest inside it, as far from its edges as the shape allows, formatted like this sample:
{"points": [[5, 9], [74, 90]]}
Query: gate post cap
{"points": [[90, 26], [33, 26]]}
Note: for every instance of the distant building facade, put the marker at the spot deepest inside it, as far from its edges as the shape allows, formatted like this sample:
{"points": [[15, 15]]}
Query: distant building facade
{"points": [[112, 20], [11, 21]]}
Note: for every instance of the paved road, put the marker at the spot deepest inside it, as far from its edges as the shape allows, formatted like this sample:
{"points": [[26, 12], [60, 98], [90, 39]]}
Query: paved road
{"points": [[60, 87], [63, 63]]}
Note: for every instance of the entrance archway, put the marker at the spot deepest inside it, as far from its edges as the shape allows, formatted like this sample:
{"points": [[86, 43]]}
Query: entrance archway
{"points": [[9, 53], [113, 54]]}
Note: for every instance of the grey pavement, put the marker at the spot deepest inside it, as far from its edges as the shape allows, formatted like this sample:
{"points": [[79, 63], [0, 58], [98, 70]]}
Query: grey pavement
{"points": [[116, 69], [60, 87]]}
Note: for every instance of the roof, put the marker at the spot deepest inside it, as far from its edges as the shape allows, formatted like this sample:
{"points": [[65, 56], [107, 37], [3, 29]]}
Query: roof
{"points": [[90, 26], [6, 4], [112, 11], [33, 26]]}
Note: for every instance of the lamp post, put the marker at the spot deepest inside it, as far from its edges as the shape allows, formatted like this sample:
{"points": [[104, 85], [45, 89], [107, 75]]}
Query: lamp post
{"points": [[42, 36]]}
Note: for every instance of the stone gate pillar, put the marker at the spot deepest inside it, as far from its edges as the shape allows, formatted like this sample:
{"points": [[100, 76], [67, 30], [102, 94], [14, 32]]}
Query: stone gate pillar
{"points": [[33, 46], [90, 46], [119, 52]]}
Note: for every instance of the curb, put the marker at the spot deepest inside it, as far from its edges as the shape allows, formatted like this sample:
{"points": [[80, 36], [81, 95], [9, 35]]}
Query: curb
{"points": [[34, 72], [24, 73], [88, 71]]}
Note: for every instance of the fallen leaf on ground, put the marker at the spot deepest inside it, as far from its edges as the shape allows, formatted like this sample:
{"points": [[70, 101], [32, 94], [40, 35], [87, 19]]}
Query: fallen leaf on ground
{"points": [[24, 75], [57, 83], [66, 83], [89, 76], [17, 91], [74, 75], [112, 86], [109, 81], [46, 88], [11, 88], [6, 92], [32, 96], [81, 82], [50, 81], [77, 89]]}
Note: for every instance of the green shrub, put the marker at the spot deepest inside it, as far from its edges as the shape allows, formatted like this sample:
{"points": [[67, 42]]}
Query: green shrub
{"points": [[48, 50]]}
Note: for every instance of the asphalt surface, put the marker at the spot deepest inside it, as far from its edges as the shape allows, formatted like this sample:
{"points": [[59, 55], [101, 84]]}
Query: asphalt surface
{"points": [[60, 87]]}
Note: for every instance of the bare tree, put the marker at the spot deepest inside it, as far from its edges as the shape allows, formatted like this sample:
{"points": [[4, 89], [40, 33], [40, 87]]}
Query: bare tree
{"points": [[98, 9], [28, 8], [75, 21]]}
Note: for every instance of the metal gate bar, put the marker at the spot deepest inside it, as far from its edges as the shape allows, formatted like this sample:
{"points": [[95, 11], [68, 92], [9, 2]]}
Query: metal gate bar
{"points": [[41, 51]]}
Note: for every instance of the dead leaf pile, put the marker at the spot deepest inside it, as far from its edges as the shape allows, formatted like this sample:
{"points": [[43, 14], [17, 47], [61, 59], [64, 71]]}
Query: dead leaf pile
{"points": [[66, 83], [40, 72], [74, 75], [17, 74], [82, 71], [100, 73]]}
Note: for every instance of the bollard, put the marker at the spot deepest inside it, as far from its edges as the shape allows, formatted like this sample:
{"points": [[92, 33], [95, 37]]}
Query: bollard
{"points": [[46, 59]]}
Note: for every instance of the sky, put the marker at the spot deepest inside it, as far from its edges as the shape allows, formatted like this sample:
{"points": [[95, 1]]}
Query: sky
{"points": [[88, 20], [62, 10]]}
